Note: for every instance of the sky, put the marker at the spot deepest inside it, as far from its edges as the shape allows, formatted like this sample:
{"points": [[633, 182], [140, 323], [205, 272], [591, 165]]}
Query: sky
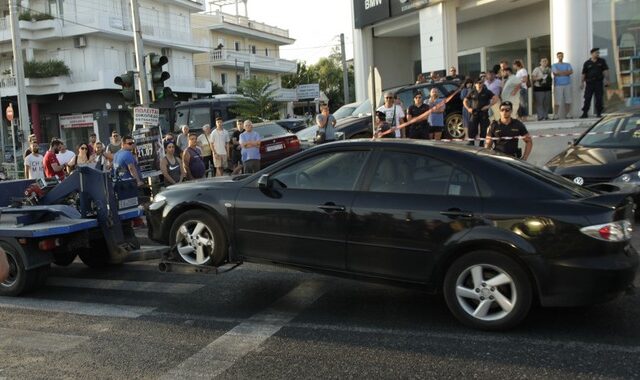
{"points": [[315, 25]]}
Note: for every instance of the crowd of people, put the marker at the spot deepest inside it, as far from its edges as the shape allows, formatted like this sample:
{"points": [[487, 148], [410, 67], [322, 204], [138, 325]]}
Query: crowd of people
{"points": [[495, 105]]}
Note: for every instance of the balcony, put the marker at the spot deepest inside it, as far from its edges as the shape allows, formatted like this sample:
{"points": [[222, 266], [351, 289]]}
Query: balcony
{"points": [[235, 59], [243, 26]]}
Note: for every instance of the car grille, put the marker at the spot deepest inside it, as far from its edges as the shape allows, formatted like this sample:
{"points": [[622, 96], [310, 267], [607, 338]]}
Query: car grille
{"points": [[589, 180]]}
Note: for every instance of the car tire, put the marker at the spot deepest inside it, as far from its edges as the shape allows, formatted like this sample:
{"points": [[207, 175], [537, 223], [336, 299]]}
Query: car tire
{"points": [[20, 280], [96, 257], [487, 290], [198, 239], [454, 127]]}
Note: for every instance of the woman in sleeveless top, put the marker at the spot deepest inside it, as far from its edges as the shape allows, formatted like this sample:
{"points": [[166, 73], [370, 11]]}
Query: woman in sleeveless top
{"points": [[82, 157], [170, 165]]}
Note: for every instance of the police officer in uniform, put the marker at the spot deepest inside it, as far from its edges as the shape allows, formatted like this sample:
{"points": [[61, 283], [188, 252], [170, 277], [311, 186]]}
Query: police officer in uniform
{"points": [[595, 74], [477, 103], [508, 127]]}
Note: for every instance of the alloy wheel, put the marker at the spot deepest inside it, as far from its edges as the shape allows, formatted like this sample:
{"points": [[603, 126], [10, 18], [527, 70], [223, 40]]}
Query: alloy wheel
{"points": [[486, 292], [195, 242], [455, 126]]}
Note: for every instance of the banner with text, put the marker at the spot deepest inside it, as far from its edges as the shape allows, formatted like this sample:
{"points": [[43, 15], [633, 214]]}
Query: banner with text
{"points": [[146, 116], [149, 150]]}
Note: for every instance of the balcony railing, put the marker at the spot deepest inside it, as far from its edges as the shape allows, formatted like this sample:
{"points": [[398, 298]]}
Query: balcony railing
{"points": [[247, 23], [231, 57]]}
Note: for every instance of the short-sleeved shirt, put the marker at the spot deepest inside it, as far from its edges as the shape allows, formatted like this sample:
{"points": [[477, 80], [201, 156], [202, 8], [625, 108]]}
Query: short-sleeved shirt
{"points": [[329, 130], [593, 71], [252, 153], [513, 129], [219, 140], [414, 130], [48, 161], [236, 135], [522, 75], [182, 141], [64, 158], [389, 113], [495, 86], [121, 161], [36, 166], [114, 148], [480, 99], [436, 119], [203, 143], [563, 80]]}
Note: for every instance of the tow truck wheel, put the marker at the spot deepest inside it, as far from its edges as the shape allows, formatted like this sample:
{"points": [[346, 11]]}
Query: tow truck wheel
{"points": [[95, 257], [64, 259], [198, 239], [20, 280]]}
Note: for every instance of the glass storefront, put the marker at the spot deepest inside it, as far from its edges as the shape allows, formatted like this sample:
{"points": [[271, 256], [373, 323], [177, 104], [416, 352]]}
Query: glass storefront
{"points": [[616, 31], [506, 52]]}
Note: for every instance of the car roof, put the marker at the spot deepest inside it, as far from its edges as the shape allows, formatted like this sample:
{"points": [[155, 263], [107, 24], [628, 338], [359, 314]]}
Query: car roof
{"points": [[434, 145], [422, 85]]}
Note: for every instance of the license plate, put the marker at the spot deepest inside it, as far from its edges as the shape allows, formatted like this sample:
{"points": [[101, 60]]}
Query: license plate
{"points": [[126, 203], [273, 147]]}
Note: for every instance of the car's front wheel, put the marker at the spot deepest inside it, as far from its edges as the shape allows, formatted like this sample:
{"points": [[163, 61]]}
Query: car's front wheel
{"points": [[198, 239], [454, 126], [488, 290]]}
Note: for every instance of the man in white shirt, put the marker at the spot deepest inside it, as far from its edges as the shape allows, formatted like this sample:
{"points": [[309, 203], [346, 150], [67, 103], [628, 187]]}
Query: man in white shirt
{"points": [[64, 156], [220, 147], [33, 166], [393, 113]]}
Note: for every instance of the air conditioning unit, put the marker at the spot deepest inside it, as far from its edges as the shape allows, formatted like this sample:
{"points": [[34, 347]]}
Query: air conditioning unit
{"points": [[80, 41], [166, 52]]}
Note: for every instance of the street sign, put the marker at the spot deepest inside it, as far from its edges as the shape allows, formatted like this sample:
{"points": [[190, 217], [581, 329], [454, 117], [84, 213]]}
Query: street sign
{"points": [[83, 120], [9, 112], [146, 116], [308, 91]]}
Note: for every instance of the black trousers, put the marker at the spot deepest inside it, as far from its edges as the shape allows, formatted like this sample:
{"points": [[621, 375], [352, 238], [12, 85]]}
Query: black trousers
{"points": [[593, 88], [478, 123]]}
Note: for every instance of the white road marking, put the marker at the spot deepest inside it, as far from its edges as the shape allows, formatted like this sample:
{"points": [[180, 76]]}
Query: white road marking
{"points": [[223, 352], [71, 307], [39, 341], [131, 286]]}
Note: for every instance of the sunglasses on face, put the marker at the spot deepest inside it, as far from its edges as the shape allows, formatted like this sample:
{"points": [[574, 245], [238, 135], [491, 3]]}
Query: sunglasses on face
{"points": [[388, 97], [83, 148], [131, 143], [505, 109]]}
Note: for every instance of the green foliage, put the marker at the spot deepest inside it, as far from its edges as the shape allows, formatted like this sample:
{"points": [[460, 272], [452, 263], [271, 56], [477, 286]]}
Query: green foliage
{"points": [[328, 72], [46, 69], [261, 102], [216, 89], [35, 16]]}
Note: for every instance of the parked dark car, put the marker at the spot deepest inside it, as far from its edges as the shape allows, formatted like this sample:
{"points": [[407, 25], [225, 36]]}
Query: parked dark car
{"points": [[196, 113], [277, 143], [444, 217], [608, 152], [292, 125]]}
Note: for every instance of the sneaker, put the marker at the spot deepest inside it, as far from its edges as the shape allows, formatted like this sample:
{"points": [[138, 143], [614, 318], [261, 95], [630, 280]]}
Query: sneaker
{"points": [[584, 115], [555, 117]]}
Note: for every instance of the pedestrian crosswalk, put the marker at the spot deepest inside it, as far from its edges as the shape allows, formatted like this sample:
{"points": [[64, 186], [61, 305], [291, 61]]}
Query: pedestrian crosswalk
{"points": [[131, 286]]}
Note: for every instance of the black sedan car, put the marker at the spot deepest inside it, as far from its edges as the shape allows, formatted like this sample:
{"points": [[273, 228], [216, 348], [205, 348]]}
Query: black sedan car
{"points": [[444, 217], [608, 152]]}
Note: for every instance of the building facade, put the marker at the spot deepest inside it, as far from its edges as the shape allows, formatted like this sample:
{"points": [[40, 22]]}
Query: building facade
{"points": [[94, 39], [239, 48], [474, 35]]}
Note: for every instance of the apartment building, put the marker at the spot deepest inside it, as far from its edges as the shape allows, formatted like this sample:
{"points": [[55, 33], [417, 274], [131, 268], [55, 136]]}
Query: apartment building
{"points": [[238, 48], [94, 39]]}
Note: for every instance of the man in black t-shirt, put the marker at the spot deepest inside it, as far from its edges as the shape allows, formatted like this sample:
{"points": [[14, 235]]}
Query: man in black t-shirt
{"points": [[236, 149], [477, 103], [508, 127], [595, 73], [418, 130]]}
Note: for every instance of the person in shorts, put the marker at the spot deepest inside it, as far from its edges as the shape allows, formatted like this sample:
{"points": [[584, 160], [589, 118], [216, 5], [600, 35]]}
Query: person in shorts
{"points": [[236, 148], [220, 147]]}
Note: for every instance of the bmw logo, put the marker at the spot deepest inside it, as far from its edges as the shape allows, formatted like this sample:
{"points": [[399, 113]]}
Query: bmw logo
{"points": [[578, 181]]}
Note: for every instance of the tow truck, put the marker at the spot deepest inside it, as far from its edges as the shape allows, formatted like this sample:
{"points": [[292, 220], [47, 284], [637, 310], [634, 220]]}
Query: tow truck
{"points": [[47, 221]]}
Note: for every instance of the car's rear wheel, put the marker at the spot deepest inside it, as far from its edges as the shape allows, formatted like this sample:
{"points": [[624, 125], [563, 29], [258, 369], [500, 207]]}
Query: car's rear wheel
{"points": [[454, 126], [198, 239], [488, 290]]}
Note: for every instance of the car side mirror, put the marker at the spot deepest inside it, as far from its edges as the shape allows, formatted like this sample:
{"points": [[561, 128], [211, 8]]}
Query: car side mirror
{"points": [[264, 183], [572, 142]]}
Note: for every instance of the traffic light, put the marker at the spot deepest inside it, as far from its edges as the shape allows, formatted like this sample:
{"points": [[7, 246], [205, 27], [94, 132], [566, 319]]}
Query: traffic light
{"points": [[128, 83], [154, 69]]}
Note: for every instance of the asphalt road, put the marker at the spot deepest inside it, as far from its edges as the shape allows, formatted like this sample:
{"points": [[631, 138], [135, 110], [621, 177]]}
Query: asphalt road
{"points": [[131, 321]]}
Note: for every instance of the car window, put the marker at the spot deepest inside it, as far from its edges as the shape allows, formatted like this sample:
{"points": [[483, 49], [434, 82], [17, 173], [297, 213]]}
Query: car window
{"points": [[343, 112], [182, 118], [363, 109], [601, 134], [449, 88], [326, 171], [410, 173], [270, 130], [199, 116]]}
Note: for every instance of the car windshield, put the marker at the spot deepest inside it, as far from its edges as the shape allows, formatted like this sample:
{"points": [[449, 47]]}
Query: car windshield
{"points": [[363, 109], [343, 112], [619, 131], [270, 130], [576, 191]]}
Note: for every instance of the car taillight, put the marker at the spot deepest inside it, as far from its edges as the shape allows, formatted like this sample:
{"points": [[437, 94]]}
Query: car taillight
{"points": [[48, 244], [614, 231], [292, 142]]}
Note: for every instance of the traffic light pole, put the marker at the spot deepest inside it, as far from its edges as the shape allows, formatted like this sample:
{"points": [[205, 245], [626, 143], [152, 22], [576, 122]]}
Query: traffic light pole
{"points": [[139, 45]]}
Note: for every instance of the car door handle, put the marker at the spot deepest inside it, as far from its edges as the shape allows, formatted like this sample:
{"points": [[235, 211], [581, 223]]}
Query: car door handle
{"points": [[456, 213], [330, 207]]}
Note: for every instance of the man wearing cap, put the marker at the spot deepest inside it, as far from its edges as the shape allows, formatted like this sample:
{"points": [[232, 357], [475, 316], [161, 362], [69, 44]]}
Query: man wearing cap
{"points": [[477, 103], [502, 135], [595, 74]]}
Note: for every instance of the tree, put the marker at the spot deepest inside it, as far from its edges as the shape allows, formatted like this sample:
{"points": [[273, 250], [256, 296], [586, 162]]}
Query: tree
{"points": [[216, 89], [260, 103]]}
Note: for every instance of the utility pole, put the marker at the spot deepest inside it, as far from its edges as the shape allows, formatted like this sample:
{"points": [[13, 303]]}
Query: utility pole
{"points": [[137, 41], [345, 70], [18, 61]]}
